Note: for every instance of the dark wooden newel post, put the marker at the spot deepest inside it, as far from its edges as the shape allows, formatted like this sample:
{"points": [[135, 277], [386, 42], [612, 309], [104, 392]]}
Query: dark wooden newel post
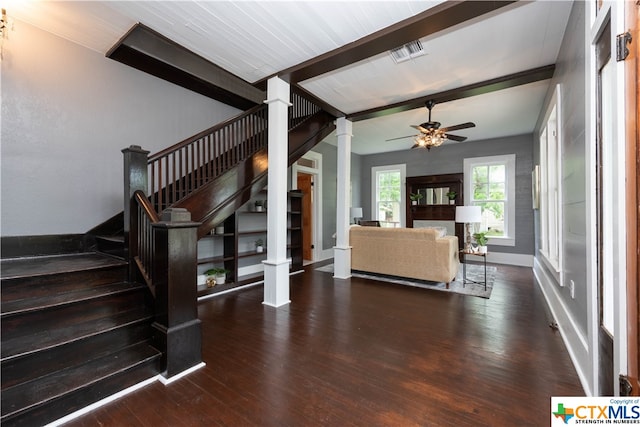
{"points": [[135, 178], [177, 330]]}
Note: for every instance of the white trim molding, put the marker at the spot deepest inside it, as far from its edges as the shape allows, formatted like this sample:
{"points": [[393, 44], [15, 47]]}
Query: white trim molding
{"points": [[574, 339], [509, 160]]}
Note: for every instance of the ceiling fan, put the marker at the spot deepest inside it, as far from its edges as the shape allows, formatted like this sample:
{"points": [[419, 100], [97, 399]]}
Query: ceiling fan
{"points": [[431, 135]]}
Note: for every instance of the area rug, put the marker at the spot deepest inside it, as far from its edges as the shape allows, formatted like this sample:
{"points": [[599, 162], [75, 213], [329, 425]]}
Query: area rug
{"points": [[475, 272]]}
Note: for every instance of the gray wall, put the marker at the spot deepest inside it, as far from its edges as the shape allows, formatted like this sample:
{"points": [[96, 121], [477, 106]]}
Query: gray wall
{"points": [[329, 189], [67, 111], [449, 159], [571, 75]]}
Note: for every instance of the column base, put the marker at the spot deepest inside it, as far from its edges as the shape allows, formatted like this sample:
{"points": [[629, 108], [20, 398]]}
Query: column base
{"points": [[276, 283], [342, 262]]}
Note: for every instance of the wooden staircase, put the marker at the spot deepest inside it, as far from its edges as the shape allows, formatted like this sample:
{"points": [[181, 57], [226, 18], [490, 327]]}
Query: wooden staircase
{"points": [[73, 332], [76, 328]]}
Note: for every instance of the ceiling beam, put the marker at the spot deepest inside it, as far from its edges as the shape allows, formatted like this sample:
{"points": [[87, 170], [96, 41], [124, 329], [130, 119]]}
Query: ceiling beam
{"points": [[438, 18], [150, 51], [499, 83]]}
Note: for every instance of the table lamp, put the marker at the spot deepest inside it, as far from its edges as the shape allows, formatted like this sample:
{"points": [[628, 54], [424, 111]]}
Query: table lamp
{"points": [[468, 215]]}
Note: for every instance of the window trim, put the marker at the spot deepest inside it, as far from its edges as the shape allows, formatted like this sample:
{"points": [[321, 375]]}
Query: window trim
{"points": [[509, 160], [403, 185], [551, 213]]}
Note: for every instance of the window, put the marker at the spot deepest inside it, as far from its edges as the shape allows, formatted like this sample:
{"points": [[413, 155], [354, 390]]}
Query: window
{"points": [[550, 209], [490, 183], [388, 193]]}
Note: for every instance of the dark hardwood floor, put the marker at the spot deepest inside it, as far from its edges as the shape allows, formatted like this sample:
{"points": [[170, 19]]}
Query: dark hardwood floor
{"points": [[365, 353]]}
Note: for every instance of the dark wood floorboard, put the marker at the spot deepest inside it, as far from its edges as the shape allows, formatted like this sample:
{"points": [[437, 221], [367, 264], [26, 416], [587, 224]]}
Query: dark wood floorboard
{"points": [[364, 353]]}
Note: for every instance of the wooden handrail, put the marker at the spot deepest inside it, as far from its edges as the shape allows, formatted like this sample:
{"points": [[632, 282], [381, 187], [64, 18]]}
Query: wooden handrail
{"points": [[205, 132], [141, 242], [177, 172], [188, 165]]}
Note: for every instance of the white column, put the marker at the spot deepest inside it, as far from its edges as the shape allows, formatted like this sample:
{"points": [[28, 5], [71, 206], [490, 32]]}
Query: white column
{"points": [[342, 250], [276, 266]]}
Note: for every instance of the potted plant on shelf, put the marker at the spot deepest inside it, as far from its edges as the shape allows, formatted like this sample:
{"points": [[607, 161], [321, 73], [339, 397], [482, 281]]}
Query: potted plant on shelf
{"points": [[259, 205], [481, 239], [259, 245], [415, 198], [452, 197], [216, 276]]}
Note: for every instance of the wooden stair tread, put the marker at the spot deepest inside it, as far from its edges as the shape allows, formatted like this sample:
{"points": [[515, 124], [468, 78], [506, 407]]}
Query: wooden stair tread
{"points": [[25, 305], [45, 389], [55, 264], [44, 340]]}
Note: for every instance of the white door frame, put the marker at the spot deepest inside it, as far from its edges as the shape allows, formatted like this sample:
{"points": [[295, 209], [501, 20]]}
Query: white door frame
{"points": [[316, 201]]}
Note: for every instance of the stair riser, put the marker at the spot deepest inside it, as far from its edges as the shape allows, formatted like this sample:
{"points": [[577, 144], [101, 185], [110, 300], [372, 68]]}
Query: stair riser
{"points": [[24, 324], [27, 287], [111, 247], [37, 364], [71, 402]]}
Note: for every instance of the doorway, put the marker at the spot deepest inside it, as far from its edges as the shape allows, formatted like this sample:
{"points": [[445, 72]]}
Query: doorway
{"points": [[305, 184], [306, 175]]}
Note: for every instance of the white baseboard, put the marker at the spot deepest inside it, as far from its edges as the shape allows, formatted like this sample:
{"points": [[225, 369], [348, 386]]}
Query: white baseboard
{"points": [[574, 340], [98, 404], [522, 260]]}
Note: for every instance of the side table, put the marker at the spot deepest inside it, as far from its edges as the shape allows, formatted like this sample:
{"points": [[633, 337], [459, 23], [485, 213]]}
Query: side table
{"points": [[464, 254]]}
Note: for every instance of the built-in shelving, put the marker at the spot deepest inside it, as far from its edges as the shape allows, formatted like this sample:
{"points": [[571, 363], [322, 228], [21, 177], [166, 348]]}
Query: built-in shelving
{"points": [[235, 248]]}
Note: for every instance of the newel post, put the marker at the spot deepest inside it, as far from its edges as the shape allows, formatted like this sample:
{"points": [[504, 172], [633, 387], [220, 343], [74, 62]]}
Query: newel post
{"points": [[135, 178], [176, 328]]}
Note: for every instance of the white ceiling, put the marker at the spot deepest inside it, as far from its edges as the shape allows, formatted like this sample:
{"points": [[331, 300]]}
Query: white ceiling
{"points": [[255, 39]]}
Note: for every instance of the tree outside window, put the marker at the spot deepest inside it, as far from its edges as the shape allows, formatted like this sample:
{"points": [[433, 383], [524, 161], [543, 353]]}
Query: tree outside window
{"points": [[489, 192], [389, 185]]}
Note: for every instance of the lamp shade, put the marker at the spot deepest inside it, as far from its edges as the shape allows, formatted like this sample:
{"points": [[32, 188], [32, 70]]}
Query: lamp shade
{"points": [[356, 212], [467, 214]]}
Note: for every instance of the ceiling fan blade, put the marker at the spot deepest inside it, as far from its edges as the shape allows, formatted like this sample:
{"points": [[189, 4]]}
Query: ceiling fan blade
{"points": [[400, 137], [455, 137], [458, 127], [420, 128]]}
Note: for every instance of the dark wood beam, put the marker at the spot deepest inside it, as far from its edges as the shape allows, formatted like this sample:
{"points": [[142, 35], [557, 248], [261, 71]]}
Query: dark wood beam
{"points": [[499, 83], [149, 51], [433, 20]]}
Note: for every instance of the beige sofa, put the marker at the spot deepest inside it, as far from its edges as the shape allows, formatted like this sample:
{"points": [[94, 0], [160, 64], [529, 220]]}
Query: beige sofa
{"points": [[417, 253]]}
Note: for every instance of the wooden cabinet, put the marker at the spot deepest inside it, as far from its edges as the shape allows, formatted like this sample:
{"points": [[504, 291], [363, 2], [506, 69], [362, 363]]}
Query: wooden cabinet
{"points": [[235, 249], [434, 206]]}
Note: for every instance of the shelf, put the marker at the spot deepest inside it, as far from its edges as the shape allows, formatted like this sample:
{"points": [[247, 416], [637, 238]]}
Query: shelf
{"points": [[218, 235], [214, 259], [203, 290], [243, 226], [250, 254], [251, 232]]}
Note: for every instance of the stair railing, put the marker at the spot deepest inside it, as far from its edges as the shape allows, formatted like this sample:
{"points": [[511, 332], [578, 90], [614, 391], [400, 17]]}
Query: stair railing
{"points": [[179, 170], [141, 232]]}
